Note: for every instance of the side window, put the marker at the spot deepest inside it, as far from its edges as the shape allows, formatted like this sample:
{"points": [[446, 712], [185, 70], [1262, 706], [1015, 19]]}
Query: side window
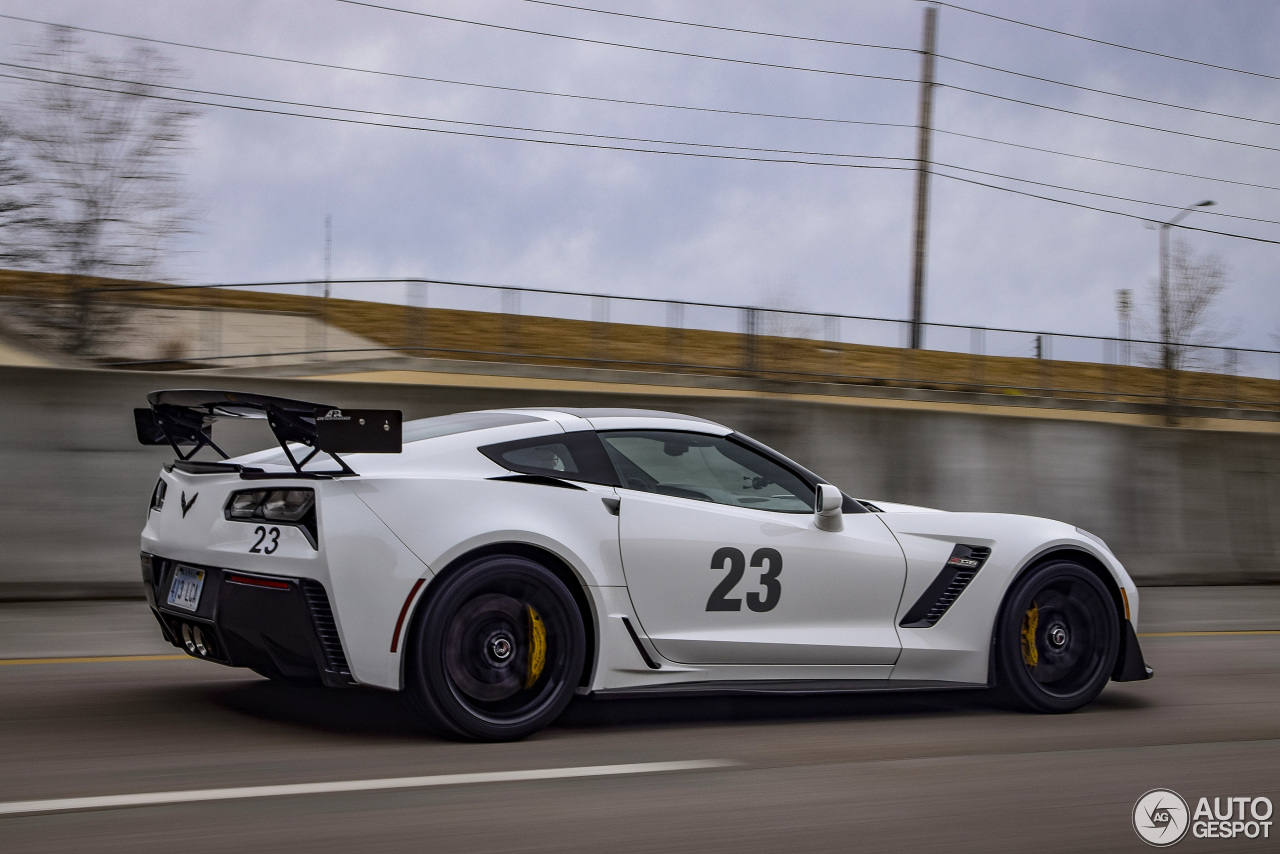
{"points": [[568, 456], [553, 458], [705, 468]]}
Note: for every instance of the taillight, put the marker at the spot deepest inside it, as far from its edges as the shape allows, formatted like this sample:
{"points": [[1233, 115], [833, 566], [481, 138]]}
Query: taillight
{"points": [[296, 507], [271, 505], [157, 495]]}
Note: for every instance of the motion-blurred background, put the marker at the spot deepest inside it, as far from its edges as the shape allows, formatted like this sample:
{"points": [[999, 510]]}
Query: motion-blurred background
{"points": [[982, 256], [944, 254]]}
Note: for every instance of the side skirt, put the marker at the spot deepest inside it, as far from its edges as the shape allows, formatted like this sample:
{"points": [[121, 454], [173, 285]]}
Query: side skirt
{"points": [[789, 687]]}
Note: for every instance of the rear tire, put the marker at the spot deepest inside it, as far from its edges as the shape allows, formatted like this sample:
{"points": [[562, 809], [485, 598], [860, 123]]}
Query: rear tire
{"points": [[1056, 639], [497, 652]]}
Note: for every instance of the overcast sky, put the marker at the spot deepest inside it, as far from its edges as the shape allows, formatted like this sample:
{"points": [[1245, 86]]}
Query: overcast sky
{"points": [[409, 203]]}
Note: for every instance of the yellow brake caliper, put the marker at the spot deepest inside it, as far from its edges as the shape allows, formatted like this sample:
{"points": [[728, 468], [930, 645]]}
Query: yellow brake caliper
{"points": [[1030, 654], [537, 648]]}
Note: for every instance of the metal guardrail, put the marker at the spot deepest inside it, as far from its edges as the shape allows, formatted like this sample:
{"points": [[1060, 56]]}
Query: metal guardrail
{"points": [[1050, 362]]}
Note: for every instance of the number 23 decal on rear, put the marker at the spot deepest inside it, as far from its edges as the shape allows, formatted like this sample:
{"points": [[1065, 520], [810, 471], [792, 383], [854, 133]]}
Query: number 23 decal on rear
{"points": [[735, 561], [268, 540]]}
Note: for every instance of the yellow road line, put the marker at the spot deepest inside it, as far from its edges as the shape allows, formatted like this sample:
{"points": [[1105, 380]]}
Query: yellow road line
{"points": [[92, 659], [1208, 634]]}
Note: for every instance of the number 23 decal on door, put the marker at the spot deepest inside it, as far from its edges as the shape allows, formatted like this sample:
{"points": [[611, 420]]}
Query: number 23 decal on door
{"points": [[735, 561]]}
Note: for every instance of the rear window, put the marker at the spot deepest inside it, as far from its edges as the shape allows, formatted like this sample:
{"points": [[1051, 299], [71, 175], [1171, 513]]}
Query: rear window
{"points": [[567, 456], [549, 458]]}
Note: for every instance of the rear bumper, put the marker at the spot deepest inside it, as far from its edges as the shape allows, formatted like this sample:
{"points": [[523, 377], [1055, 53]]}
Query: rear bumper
{"points": [[280, 627]]}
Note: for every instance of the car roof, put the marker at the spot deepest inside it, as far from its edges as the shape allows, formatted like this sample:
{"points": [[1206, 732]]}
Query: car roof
{"points": [[618, 418], [606, 412]]}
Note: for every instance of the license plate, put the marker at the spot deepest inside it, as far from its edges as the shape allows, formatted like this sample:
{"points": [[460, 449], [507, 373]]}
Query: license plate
{"points": [[184, 591]]}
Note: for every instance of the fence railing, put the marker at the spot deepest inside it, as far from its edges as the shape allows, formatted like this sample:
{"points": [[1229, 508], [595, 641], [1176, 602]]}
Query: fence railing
{"points": [[371, 317]]}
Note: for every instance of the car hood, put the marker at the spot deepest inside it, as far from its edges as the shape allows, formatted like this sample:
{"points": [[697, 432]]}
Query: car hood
{"points": [[894, 507]]}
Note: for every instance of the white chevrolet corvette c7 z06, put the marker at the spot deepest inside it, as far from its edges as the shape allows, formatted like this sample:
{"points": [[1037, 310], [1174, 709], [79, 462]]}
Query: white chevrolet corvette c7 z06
{"points": [[492, 564]]}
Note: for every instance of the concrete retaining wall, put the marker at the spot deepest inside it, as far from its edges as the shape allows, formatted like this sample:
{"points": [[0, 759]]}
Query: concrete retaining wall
{"points": [[1177, 505]]}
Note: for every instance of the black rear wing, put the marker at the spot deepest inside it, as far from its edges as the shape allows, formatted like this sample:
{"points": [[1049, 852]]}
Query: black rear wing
{"points": [[183, 418]]}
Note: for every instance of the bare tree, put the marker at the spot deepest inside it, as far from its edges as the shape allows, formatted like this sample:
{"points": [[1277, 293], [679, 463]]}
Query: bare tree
{"points": [[783, 315], [1196, 281], [22, 207], [103, 153]]}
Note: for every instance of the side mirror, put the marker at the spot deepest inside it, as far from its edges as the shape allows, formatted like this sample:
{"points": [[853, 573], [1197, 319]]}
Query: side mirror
{"points": [[829, 516]]}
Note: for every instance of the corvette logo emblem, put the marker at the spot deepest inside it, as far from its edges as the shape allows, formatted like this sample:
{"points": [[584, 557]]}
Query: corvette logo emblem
{"points": [[186, 505]]}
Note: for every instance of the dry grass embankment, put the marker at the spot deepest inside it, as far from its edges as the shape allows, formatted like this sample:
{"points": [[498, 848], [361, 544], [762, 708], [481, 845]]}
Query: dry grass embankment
{"points": [[485, 336]]}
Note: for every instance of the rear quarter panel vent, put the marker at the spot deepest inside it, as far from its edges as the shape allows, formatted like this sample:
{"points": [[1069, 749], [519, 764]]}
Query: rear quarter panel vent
{"points": [[326, 627]]}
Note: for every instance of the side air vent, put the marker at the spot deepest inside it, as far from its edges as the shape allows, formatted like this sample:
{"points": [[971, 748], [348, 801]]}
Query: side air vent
{"points": [[327, 629], [942, 592]]}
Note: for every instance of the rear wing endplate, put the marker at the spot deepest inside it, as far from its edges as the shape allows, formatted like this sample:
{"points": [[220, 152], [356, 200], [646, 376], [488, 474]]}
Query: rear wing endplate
{"points": [[183, 419]]}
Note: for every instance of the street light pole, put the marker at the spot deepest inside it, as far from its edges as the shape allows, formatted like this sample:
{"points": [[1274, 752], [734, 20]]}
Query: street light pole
{"points": [[1166, 319], [1166, 331]]}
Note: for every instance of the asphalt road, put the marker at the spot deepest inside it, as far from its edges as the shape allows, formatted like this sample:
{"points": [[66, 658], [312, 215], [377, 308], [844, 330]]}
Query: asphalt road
{"points": [[921, 772]]}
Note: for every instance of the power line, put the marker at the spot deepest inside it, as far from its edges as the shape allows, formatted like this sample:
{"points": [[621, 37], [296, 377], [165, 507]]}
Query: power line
{"points": [[955, 59], [1100, 195], [1103, 160], [1101, 41], [1103, 118], [405, 76], [721, 28], [582, 145], [340, 120], [363, 3], [664, 51], [1100, 210], [381, 114], [525, 129], [1103, 91], [692, 108], [791, 117]]}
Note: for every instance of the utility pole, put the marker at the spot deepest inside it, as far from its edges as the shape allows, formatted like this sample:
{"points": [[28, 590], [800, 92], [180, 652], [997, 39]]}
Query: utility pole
{"points": [[1124, 306], [323, 314], [328, 252], [922, 174]]}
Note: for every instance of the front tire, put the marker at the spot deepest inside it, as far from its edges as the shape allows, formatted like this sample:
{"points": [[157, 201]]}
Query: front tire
{"points": [[498, 651], [1056, 639]]}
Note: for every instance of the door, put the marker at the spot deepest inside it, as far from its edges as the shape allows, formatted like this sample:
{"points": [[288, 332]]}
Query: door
{"points": [[725, 565]]}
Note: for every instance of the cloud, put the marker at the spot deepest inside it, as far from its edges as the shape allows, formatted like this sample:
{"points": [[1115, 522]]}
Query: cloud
{"points": [[420, 204]]}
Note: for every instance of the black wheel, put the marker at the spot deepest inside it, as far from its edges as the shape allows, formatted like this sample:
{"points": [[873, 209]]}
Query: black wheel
{"points": [[1056, 640], [498, 651]]}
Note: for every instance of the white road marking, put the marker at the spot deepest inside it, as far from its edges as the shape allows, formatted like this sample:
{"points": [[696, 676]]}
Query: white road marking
{"points": [[197, 795]]}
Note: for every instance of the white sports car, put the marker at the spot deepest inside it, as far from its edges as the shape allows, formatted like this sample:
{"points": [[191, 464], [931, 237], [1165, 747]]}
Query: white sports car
{"points": [[492, 564]]}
